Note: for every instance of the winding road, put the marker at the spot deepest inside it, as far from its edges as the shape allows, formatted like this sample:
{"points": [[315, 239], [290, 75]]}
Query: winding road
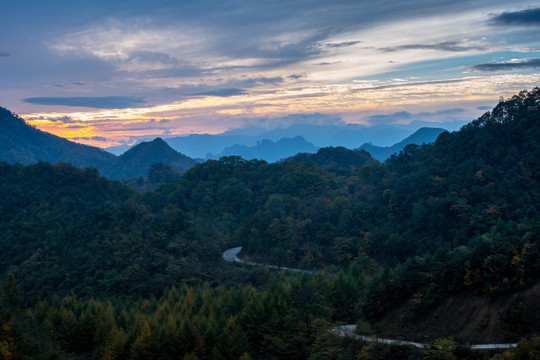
{"points": [[231, 255], [348, 330]]}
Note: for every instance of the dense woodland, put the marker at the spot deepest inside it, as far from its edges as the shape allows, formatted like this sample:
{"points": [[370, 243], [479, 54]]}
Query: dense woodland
{"points": [[93, 269]]}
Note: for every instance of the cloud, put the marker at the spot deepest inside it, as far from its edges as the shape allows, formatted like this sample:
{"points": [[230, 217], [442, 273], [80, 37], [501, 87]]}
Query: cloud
{"points": [[230, 87], [389, 118], [96, 138], [99, 102], [518, 64], [64, 119], [276, 52], [407, 84], [222, 92], [295, 76], [405, 116], [342, 44], [485, 107], [444, 112], [263, 80], [523, 17], [452, 46], [162, 121]]}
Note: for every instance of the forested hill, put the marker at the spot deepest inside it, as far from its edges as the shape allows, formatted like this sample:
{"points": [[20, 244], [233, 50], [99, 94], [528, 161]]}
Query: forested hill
{"points": [[24, 144], [21, 143], [138, 160], [335, 159], [471, 197], [421, 234]]}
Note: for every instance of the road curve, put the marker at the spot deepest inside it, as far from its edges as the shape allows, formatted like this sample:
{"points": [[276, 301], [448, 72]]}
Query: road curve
{"points": [[231, 255]]}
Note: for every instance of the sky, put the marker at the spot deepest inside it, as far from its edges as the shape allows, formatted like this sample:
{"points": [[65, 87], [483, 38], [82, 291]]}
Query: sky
{"points": [[110, 72]]}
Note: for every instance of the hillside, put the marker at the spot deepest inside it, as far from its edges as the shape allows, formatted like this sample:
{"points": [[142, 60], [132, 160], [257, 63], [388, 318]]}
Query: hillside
{"points": [[439, 233], [421, 136], [24, 144], [137, 161], [335, 159]]}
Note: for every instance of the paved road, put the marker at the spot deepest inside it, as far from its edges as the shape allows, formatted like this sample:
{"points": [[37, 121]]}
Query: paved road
{"points": [[231, 255], [348, 330]]}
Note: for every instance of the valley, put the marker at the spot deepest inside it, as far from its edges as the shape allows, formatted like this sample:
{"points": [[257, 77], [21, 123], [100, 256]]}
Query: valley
{"points": [[437, 245]]}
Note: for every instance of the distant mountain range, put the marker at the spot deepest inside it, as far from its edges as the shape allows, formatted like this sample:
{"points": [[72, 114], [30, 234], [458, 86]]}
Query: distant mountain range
{"points": [[269, 150], [352, 136], [24, 144]]}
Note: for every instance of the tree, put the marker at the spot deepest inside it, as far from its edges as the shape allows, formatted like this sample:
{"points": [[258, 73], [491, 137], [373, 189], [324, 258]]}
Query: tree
{"points": [[142, 347], [11, 294], [441, 349]]}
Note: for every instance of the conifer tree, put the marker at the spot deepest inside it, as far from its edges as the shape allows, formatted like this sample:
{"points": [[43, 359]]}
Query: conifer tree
{"points": [[142, 347]]}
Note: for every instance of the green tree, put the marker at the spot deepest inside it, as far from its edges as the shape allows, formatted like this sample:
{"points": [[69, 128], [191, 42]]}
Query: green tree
{"points": [[142, 346], [441, 349]]}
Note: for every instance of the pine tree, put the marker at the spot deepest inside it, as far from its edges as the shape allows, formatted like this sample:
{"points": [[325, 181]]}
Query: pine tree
{"points": [[11, 294], [142, 347]]}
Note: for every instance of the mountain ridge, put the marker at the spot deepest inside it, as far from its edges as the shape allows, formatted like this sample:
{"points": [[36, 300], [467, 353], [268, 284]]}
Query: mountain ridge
{"points": [[440, 240], [25, 144], [137, 161], [20, 142], [269, 150], [347, 135], [421, 136]]}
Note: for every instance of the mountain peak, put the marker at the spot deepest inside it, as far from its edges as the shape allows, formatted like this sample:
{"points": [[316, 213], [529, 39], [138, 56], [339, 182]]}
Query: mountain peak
{"points": [[159, 141], [423, 135], [158, 144], [137, 161]]}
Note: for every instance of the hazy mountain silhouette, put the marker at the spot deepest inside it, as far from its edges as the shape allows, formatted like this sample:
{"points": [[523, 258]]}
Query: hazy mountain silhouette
{"points": [[348, 135], [421, 136], [24, 144], [269, 150], [200, 145], [119, 149], [138, 160]]}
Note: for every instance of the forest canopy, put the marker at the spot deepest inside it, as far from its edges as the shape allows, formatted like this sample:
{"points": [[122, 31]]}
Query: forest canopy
{"points": [[142, 275]]}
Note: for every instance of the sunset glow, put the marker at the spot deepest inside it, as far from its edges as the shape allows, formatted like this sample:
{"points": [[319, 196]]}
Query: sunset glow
{"points": [[117, 75]]}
